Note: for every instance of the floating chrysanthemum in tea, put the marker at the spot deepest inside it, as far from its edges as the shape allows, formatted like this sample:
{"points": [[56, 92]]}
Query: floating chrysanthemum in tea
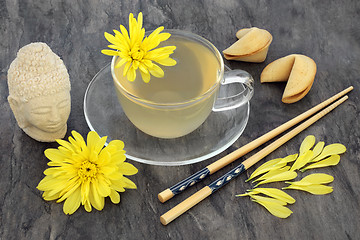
{"points": [[139, 52]]}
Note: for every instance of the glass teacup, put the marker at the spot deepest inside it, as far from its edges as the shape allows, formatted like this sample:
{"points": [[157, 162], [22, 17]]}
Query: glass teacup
{"points": [[180, 102]]}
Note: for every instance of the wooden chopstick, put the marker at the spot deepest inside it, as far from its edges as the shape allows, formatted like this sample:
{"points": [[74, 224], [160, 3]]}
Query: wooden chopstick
{"points": [[214, 167], [208, 190]]}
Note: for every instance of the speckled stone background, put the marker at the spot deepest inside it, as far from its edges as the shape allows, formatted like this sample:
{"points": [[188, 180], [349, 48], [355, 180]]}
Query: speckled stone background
{"points": [[327, 31]]}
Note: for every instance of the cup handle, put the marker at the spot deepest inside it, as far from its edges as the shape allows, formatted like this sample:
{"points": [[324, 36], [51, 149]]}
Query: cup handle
{"points": [[241, 97]]}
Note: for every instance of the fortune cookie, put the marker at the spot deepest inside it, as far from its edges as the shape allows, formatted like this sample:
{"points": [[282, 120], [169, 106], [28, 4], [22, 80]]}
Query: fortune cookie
{"points": [[252, 46], [299, 72]]}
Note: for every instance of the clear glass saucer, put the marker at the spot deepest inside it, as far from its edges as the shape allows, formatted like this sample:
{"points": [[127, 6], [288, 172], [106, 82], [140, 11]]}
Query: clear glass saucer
{"points": [[104, 115]]}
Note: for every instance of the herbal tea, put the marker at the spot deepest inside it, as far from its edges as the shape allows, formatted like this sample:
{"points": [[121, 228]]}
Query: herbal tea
{"points": [[197, 71]]}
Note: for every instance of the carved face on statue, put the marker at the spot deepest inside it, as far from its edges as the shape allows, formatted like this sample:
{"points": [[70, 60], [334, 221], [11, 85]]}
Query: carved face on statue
{"points": [[39, 92]]}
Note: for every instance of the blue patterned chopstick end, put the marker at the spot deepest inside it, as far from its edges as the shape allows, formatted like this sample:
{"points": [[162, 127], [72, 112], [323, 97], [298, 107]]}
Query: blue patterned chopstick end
{"points": [[188, 182], [227, 178]]}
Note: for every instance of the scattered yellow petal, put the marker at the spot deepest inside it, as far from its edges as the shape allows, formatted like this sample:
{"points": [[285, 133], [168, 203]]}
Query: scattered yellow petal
{"points": [[244, 194], [267, 199], [329, 150], [272, 172], [316, 189], [307, 144], [280, 177], [302, 160], [316, 178], [275, 193], [330, 161], [289, 158], [265, 167], [318, 149], [275, 209]]}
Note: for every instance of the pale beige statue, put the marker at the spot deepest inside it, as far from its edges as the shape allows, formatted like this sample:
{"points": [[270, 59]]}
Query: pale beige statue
{"points": [[39, 92]]}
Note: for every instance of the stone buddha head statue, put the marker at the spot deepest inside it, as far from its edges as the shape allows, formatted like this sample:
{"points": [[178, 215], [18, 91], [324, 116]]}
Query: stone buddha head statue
{"points": [[39, 92]]}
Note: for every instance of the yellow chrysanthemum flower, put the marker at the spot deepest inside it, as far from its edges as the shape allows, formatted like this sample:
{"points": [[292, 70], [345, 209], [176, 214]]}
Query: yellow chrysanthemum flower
{"points": [[86, 174], [137, 52]]}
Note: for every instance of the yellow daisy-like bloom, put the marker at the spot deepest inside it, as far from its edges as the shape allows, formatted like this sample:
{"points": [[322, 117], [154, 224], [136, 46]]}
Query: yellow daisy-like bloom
{"points": [[137, 52], [86, 174]]}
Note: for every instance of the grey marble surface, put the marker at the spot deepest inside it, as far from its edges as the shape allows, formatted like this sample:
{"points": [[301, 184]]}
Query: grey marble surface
{"points": [[327, 31]]}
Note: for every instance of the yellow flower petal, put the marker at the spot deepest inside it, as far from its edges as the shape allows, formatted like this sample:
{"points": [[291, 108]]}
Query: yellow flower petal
{"points": [[156, 71], [66, 152], [125, 34], [279, 178], [166, 62], [55, 171], [267, 199], [164, 36], [316, 189], [150, 43], [318, 149], [102, 186], [131, 74], [160, 53], [54, 155], [307, 144], [114, 196], [85, 191], [128, 183], [49, 197], [121, 62], [289, 158], [275, 209], [117, 143], [316, 178], [95, 198], [272, 172], [145, 75], [76, 145], [115, 176], [66, 145], [118, 157], [140, 19], [118, 185], [110, 52], [126, 68], [92, 140], [127, 168], [79, 139], [153, 40], [147, 63], [330, 161], [329, 150], [245, 194], [274, 193], [302, 160], [265, 167], [100, 144], [72, 203], [51, 184], [87, 206], [112, 39], [71, 188]]}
